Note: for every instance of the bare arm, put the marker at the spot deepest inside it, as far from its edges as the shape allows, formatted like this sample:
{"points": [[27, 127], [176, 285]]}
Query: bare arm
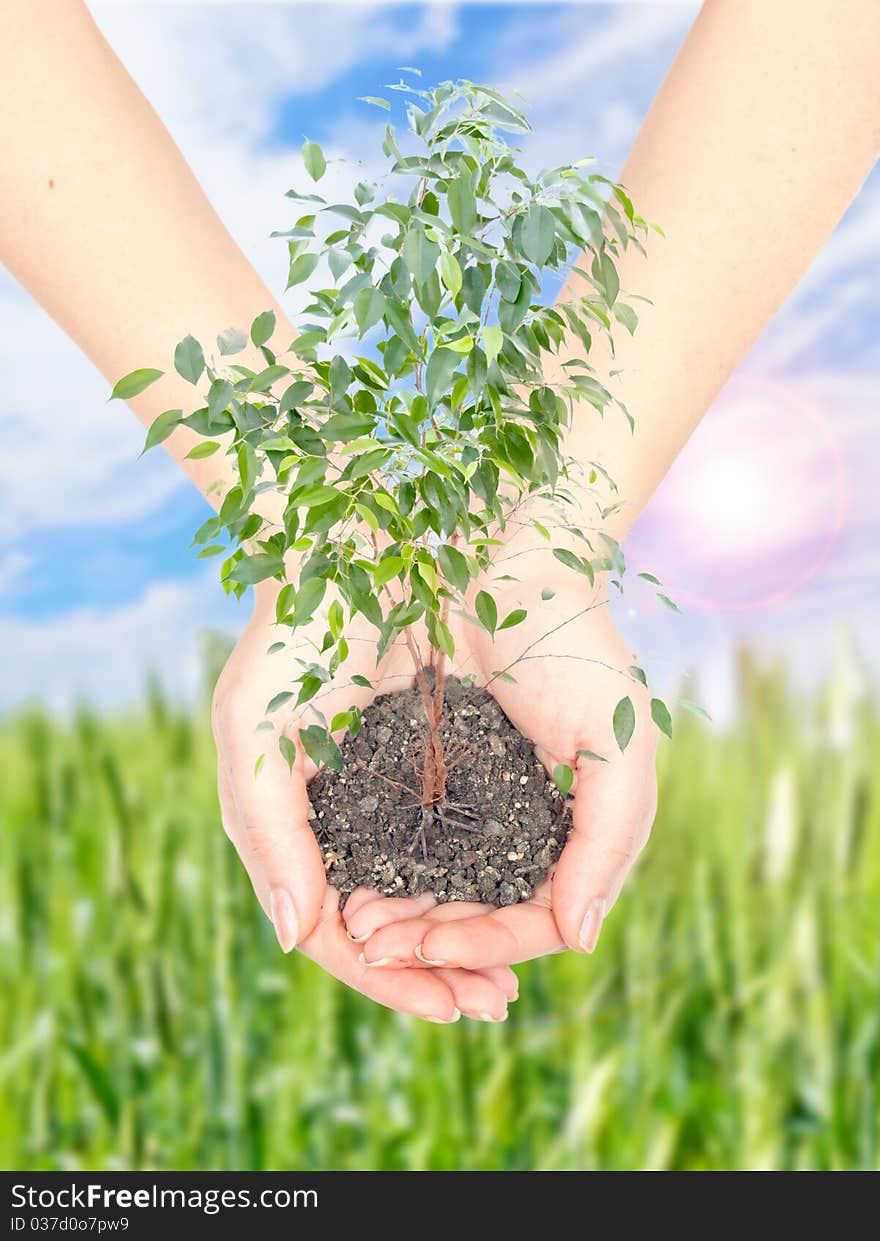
{"points": [[102, 220], [763, 131], [765, 127]]}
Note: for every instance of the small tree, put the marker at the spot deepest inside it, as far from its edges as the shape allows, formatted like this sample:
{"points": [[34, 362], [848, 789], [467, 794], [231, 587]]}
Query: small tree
{"points": [[399, 470]]}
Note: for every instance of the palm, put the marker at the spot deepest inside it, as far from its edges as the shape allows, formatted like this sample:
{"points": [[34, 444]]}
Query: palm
{"points": [[266, 817], [569, 666]]}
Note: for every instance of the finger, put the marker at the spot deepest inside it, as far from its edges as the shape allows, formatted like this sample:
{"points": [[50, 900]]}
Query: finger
{"points": [[475, 995], [371, 916], [504, 978], [614, 807], [500, 937], [419, 992], [358, 898], [414, 992], [396, 943], [273, 810]]}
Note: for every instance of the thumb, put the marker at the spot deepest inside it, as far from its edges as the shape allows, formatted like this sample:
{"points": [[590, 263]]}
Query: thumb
{"points": [[277, 844], [614, 807]]}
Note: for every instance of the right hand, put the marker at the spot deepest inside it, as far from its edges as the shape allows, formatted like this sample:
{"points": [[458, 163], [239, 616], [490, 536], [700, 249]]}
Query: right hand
{"points": [[267, 818]]}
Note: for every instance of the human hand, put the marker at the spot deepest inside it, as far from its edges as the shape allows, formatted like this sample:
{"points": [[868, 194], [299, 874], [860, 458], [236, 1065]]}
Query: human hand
{"points": [[267, 819], [571, 669]]}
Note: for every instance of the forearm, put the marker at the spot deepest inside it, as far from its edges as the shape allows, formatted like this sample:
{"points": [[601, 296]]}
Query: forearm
{"points": [[762, 133], [102, 220]]}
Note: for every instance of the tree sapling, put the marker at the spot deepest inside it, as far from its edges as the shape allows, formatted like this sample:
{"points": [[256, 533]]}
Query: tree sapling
{"points": [[412, 421]]}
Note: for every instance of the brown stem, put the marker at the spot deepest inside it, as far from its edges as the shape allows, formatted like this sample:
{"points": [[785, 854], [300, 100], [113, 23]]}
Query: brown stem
{"points": [[434, 771], [441, 662]]}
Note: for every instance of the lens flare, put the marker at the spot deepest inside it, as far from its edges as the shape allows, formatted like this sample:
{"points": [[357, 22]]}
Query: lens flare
{"points": [[754, 506]]}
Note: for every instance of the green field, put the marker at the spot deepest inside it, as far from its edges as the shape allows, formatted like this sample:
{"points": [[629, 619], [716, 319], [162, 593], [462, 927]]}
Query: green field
{"points": [[730, 1019]]}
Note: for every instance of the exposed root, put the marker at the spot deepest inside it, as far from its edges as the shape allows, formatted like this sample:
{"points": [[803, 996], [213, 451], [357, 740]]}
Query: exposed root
{"points": [[445, 814]]}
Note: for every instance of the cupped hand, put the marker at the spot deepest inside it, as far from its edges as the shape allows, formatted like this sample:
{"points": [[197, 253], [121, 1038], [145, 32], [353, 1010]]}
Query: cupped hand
{"points": [[266, 816], [571, 668]]}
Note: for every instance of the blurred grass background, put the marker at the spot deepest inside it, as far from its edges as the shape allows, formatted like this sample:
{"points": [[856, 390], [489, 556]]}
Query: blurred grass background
{"points": [[731, 1018]]}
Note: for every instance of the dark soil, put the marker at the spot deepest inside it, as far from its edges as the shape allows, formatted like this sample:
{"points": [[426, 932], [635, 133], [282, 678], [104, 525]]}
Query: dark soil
{"points": [[369, 827]]}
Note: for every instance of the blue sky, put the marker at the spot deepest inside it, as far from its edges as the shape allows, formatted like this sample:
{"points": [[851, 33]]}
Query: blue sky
{"points": [[96, 582]]}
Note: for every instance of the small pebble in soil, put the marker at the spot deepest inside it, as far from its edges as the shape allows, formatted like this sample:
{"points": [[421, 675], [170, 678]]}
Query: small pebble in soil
{"points": [[367, 820]]}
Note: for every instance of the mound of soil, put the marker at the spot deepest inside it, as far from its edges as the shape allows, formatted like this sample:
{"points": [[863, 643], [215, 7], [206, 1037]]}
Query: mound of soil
{"points": [[506, 825]]}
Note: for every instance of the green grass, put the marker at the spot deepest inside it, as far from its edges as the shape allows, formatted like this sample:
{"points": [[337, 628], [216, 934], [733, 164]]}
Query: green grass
{"points": [[731, 1018]]}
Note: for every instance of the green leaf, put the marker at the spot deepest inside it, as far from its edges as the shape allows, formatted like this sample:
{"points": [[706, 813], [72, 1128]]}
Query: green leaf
{"points": [[271, 375], [233, 340], [300, 390], [278, 701], [206, 449], [649, 577], [609, 277], [450, 272], [189, 360], [388, 567], [369, 307], [263, 327], [161, 428], [256, 568], [493, 339], [313, 158], [357, 679], [376, 101], [563, 778], [516, 617], [288, 750], [308, 599], [627, 316], [638, 673], [509, 280], [454, 567], [695, 709], [441, 366], [661, 717], [624, 722], [301, 268], [134, 383], [591, 754], [578, 563], [442, 636], [487, 612], [462, 203], [320, 747], [537, 234], [420, 254], [668, 603], [547, 594]]}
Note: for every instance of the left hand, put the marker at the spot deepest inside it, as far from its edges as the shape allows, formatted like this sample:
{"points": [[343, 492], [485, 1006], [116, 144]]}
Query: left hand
{"points": [[567, 685]]}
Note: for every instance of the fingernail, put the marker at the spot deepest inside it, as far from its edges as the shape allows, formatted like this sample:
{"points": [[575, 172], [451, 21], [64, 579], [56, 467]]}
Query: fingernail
{"points": [[591, 925], [446, 1021], [382, 961], [427, 960], [284, 918], [358, 939], [489, 1017]]}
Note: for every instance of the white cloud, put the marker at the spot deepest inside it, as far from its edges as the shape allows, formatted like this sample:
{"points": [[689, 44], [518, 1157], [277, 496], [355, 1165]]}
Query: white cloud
{"points": [[69, 458], [13, 566], [572, 68], [104, 654]]}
